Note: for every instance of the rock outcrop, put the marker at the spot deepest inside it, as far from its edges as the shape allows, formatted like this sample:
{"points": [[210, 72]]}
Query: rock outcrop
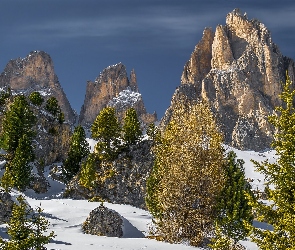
{"points": [[239, 70], [199, 64], [52, 138], [36, 73], [6, 205], [103, 221], [113, 88], [120, 181]]}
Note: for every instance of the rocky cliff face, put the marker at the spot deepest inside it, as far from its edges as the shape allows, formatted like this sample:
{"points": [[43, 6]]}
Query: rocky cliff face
{"points": [[121, 181], [52, 138], [36, 73], [6, 205], [239, 70], [113, 88]]}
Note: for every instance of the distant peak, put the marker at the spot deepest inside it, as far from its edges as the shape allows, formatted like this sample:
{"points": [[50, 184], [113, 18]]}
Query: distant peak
{"points": [[237, 11], [112, 72]]}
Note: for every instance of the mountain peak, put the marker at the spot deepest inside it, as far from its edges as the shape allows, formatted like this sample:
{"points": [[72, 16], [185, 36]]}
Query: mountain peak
{"points": [[238, 70], [112, 88], [35, 72]]}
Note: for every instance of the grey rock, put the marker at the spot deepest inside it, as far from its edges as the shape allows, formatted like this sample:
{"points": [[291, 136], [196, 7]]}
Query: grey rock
{"points": [[103, 221], [6, 205]]}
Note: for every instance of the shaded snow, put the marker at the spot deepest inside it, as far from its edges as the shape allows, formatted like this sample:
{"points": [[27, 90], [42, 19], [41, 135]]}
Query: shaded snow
{"points": [[250, 171]]}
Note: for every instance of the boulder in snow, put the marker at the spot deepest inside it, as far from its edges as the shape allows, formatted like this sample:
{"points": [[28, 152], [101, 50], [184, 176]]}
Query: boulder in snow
{"points": [[103, 222]]}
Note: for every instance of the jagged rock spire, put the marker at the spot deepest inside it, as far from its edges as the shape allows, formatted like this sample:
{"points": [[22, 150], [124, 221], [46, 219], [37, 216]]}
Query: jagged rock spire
{"points": [[239, 70], [112, 88]]}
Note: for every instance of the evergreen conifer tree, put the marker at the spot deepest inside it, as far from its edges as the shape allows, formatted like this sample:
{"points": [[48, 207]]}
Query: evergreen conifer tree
{"points": [[280, 181], [39, 226], [233, 207], [25, 229], [17, 135], [18, 171], [18, 121], [188, 176], [36, 98], [79, 149], [88, 170], [131, 128], [53, 108], [106, 129]]}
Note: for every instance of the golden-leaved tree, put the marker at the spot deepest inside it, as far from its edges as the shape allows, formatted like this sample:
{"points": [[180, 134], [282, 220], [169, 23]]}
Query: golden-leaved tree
{"points": [[188, 175]]}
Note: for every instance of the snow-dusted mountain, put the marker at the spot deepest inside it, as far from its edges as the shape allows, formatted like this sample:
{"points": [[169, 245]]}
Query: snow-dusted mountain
{"points": [[36, 72], [113, 87]]}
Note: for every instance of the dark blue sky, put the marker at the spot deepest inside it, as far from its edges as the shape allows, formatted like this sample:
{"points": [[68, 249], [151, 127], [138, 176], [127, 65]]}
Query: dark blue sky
{"points": [[155, 37]]}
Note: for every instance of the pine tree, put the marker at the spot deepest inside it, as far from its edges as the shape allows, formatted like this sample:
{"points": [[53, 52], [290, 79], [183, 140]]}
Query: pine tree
{"points": [[18, 121], [26, 231], [131, 128], [36, 98], [106, 130], [188, 175], [53, 108], [280, 181], [79, 149], [18, 226], [152, 190], [18, 171], [40, 225], [88, 170], [233, 208]]}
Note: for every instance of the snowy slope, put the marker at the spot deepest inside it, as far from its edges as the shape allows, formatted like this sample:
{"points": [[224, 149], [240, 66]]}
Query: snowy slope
{"points": [[66, 216]]}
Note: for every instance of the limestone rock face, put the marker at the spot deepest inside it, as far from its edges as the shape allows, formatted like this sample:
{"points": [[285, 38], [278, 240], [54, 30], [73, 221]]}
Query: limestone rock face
{"points": [[242, 83], [103, 221], [199, 64], [112, 88], [222, 55], [36, 73], [52, 140]]}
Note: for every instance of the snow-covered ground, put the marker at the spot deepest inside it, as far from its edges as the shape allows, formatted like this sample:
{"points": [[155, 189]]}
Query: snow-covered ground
{"points": [[66, 216]]}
